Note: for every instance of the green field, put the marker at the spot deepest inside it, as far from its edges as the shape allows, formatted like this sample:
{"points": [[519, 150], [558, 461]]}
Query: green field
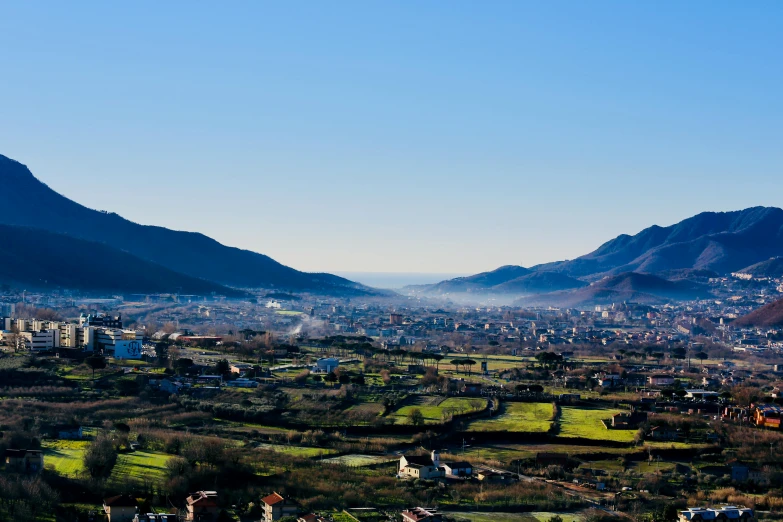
{"points": [[514, 517], [66, 456], [296, 451], [518, 417], [140, 466], [436, 410], [586, 424], [288, 312], [356, 461]]}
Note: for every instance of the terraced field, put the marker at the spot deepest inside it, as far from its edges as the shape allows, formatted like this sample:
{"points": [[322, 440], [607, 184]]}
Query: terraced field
{"points": [[297, 451], [586, 424], [518, 417]]}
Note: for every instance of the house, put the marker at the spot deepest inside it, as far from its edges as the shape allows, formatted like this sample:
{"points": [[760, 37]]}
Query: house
{"points": [[421, 515], [240, 368], [23, 461], [121, 508], [202, 506], [457, 469], [661, 380], [495, 476], [471, 388], [767, 415], [621, 420], [724, 514], [742, 473], [69, 432], [155, 517], [663, 433], [310, 517], [699, 394], [276, 506], [420, 467]]}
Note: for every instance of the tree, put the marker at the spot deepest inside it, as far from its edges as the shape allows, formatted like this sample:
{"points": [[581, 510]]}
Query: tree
{"points": [[678, 353], [701, 356], [416, 417], [96, 362], [222, 367]]}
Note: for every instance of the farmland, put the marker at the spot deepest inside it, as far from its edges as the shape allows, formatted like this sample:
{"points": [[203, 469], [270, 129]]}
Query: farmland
{"points": [[141, 467], [66, 456], [518, 417], [435, 409], [586, 424], [514, 517]]}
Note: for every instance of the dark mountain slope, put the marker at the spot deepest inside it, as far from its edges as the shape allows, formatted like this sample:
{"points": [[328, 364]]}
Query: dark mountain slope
{"points": [[718, 241], [38, 259], [634, 287], [768, 315], [769, 268], [28, 202]]}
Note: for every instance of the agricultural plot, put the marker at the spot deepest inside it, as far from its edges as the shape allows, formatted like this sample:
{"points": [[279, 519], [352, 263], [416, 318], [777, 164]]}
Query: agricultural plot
{"points": [[586, 424], [514, 517], [66, 456], [518, 417], [436, 410], [140, 467], [296, 451], [357, 461]]}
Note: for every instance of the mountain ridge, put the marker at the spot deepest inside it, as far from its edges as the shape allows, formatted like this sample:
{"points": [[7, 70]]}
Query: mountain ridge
{"points": [[189, 253]]}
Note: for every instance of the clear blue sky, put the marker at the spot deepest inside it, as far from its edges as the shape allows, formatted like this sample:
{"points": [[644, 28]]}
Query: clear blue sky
{"points": [[399, 136]]}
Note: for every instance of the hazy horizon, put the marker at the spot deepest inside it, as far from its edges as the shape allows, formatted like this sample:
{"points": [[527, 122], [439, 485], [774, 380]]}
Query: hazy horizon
{"points": [[405, 137]]}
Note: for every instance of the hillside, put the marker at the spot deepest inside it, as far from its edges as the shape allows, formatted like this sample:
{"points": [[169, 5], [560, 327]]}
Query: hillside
{"points": [[38, 259], [538, 282], [479, 282], [28, 202], [721, 242], [768, 315], [631, 287], [769, 268]]}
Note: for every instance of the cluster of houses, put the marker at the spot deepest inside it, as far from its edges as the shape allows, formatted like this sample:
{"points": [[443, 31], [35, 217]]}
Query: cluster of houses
{"points": [[204, 506], [430, 467]]}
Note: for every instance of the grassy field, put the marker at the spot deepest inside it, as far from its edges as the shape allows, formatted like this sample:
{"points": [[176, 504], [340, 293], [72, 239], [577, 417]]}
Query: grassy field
{"points": [[586, 424], [514, 517], [297, 451], [436, 410], [356, 461], [140, 466], [518, 417], [288, 312], [65, 455]]}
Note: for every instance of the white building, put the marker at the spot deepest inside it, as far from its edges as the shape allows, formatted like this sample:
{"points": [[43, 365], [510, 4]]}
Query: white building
{"points": [[38, 341]]}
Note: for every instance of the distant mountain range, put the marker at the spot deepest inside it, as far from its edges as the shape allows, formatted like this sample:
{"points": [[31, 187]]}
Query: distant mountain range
{"points": [[29, 203], [706, 245]]}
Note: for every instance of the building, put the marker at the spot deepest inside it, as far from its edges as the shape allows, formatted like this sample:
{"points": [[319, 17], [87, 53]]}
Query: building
{"points": [[420, 467], [156, 517], [69, 432], [663, 433], [661, 380], [726, 513], [121, 344], [121, 508], [276, 506], [326, 365], [40, 341], [202, 506], [457, 469], [23, 461], [767, 415], [421, 515], [102, 320]]}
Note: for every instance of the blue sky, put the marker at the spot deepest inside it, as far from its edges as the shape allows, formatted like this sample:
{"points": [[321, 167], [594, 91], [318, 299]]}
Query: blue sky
{"points": [[398, 136]]}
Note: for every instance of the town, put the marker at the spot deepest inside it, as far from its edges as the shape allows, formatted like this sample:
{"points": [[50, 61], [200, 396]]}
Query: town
{"points": [[299, 407]]}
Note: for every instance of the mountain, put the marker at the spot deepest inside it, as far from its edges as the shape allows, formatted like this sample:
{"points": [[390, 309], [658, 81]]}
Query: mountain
{"points": [[769, 315], [537, 283], [769, 268], [38, 259], [721, 242], [630, 286], [479, 282], [30, 203]]}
